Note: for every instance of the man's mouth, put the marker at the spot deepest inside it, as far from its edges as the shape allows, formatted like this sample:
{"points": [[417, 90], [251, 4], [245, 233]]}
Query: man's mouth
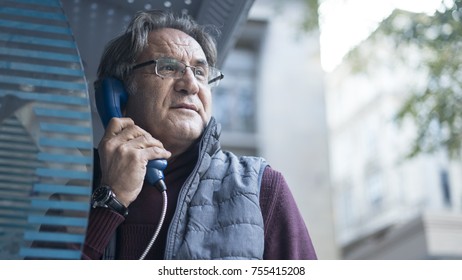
{"points": [[186, 106]]}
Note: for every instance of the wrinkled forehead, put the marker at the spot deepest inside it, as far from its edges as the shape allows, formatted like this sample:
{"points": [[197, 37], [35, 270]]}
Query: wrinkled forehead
{"points": [[168, 42]]}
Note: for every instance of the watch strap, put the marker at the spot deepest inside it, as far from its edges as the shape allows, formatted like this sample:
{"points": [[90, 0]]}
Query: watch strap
{"points": [[109, 200], [114, 204]]}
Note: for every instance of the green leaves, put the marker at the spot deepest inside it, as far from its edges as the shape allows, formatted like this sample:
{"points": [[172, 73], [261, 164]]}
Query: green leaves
{"points": [[436, 109], [311, 22]]}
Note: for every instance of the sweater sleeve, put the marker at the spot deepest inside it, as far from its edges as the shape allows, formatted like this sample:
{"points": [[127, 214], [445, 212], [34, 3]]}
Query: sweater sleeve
{"points": [[286, 235], [102, 222], [102, 225]]}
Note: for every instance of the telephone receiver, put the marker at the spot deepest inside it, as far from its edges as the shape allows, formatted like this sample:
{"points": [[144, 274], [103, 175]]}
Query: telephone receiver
{"points": [[110, 96]]}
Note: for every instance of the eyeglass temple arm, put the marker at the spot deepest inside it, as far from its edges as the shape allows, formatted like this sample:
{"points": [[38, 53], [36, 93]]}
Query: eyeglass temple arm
{"points": [[144, 64], [217, 78]]}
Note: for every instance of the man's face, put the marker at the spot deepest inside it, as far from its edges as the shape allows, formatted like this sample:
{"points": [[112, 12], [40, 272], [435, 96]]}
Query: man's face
{"points": [[175, 111]]}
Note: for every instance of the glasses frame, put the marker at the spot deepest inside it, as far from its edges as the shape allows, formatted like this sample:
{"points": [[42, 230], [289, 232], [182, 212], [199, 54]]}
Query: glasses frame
{"points": [[213, 82]]}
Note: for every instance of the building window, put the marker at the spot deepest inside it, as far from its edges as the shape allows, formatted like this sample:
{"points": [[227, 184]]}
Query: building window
{"points": [[347, 205], [234, 99], [445, 187], [374, 187]]}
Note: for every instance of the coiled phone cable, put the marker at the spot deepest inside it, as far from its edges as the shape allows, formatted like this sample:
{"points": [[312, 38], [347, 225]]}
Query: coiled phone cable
{"points": [[159, 226]]}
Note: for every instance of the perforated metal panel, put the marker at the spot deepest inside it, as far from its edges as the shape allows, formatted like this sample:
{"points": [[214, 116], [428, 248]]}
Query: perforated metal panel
{"points": [[45, 134]]}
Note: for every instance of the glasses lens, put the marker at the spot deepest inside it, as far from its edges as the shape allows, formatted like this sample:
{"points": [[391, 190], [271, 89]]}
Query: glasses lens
{"points": [[201, 73], [166, 67], [172, 68]]}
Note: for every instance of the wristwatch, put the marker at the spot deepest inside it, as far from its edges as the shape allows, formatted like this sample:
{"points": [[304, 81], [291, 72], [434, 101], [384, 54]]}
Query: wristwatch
{"points": [[103, 196]]}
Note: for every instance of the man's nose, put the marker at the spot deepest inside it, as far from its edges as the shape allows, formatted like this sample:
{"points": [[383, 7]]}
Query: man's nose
{"points": [[188, 83]]}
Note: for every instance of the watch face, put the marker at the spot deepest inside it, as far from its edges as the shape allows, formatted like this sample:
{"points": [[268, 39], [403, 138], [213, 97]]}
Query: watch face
{"points": [[101, 194], [104, 197]]}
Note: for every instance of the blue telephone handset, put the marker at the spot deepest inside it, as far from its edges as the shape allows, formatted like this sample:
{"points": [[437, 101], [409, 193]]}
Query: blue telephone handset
{"points": [[110, 95]]}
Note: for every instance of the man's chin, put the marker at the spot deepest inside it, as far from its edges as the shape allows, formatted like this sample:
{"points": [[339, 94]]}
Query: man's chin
{"points": [[185, 131]]}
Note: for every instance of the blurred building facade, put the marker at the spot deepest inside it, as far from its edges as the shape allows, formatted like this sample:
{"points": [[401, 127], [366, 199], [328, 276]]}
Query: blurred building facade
{"points": [[272, 104], [386, 206]]}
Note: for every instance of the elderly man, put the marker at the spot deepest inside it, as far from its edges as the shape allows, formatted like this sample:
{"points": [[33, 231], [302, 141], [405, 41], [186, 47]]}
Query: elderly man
{"points": [[220, 206]]}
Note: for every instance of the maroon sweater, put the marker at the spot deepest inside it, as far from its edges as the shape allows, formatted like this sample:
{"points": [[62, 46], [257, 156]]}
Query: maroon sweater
{"points": [[286, 236]]}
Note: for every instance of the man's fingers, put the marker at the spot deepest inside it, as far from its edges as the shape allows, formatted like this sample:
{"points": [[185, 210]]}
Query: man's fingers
{"points": [[133, 132], [158, 153], [116, 125], [122, 134], [144, 141], [123, 131], [150, 147]]}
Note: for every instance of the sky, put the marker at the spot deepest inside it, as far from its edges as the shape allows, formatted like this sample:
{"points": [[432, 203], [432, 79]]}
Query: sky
{"points": [[345, 23]]}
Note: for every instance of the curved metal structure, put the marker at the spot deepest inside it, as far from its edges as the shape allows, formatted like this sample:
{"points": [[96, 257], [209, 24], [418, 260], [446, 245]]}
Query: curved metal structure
{"points": [[46, 142]]}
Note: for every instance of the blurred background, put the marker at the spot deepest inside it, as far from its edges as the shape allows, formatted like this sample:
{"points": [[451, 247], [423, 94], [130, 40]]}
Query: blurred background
{"points": [[358, 104]]}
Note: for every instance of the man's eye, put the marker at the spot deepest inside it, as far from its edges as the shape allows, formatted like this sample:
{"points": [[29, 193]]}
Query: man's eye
{"points": [[200, 72], [166, 69]]}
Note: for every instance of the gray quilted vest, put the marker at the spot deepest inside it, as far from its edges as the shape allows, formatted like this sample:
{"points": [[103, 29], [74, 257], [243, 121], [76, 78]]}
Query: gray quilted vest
{"points": [[218, 215]]}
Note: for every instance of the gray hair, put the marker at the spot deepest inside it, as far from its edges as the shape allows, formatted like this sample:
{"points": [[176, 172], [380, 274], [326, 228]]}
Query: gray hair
{"points": [[120, 53]]}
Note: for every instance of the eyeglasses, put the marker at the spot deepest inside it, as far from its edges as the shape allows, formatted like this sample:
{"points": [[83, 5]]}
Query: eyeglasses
{"points": [[172, 68]]}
